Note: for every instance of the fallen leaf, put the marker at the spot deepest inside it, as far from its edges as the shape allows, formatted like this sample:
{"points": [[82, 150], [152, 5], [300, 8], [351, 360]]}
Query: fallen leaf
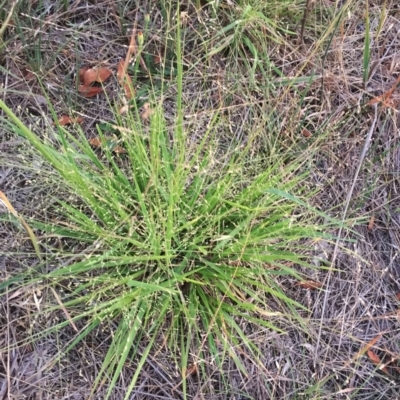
{"points": [[96, 142], [121, 70], [184, 17], [306, 133], [119, 150], [147, 111], [125, 80], [385, 97], [97, 74], [373, 357], [376, 360], [310, 284], [66, 120], [82, 73], [124, 109], [192, 369], [367, 347], [28, 75], [157, 59], [371, 222], [89, 91], [398, 296]]}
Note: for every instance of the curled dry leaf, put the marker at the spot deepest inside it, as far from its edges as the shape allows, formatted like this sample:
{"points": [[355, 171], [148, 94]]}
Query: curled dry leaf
{"points": [[97, 74], [367, 346], [310, 284], [66, 120], [147, 111], [89, 91], [96, 142], [124, 79], [385, 99], [124, 109], [119, 150], [82, 73], [28, 75], [306, 133], [157, 59], [371, 222]]}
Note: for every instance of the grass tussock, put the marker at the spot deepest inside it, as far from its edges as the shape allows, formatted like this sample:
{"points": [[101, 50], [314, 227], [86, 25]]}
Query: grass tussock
{"points": [[170, 238]]}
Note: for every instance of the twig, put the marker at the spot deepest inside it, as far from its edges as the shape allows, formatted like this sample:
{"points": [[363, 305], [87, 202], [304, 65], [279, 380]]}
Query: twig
{"points": [[303, 22], [346, 207]]}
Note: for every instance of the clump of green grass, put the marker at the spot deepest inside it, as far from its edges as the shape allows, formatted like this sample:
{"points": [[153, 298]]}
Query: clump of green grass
{"points": [[176, 239]]}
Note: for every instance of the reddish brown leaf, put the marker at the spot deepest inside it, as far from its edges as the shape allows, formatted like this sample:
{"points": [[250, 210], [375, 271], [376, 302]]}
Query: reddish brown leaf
{"points": [[125, 80], [95, 142], [66, 120], [306, 133], [28, 75], [157, 59], [371, 222], [398, 296], [119, 150], [89, 91], [310, 284], [376, 360], [128, 88], [367, 346], [82, 73], [373, 357], [121, 70], [385, 98], [97, 74]]}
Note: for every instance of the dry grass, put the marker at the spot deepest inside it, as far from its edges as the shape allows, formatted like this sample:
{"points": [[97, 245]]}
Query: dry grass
{"points": [[357, 302]]}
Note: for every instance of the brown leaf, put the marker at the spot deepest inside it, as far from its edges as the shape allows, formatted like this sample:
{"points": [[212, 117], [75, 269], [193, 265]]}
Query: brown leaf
{"points": [[28, 75], [89, 91], [385, 98], [147, 111], [96, 142], [97, 74], [376, 360], [124, 109], [367, 346], [310, 284], [82, 73], [373, 357], [398, 296], [124, 79], [121, 70], [371, 222], [306, 133], [119, 150], [66, 120], [157, 59], [129, 91]]}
